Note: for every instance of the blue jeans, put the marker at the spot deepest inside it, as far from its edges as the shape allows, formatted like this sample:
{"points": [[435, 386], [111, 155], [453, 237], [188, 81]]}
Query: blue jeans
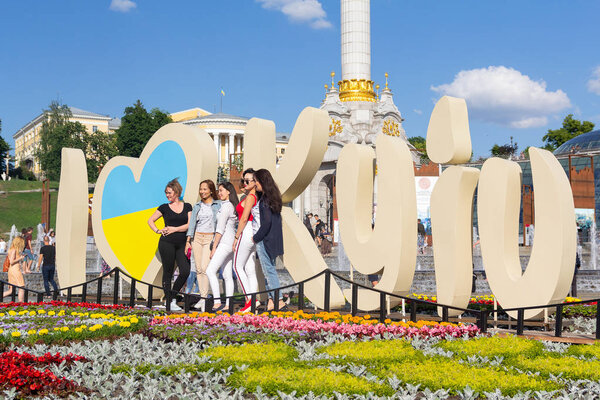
{"points": [[268, 267], [48, 275], [191, 283]]}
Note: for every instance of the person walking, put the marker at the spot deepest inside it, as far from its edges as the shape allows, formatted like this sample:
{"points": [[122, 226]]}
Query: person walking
{"points": [[243, 246], [47, 260], [201, 233], [421, 233], [319, 226], [171, 246], [308, 225], [15, 276], [221, 255], [27, 251], [268, 235]]}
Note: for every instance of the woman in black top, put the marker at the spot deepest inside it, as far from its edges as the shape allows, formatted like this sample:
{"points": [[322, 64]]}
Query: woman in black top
{"points": [[171, 246]]}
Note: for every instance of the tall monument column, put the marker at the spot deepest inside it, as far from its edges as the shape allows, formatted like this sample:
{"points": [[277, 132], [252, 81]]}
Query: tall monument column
{"points": [[356, 84]]}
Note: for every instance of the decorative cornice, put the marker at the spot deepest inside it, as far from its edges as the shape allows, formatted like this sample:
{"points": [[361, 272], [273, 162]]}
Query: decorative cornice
{"points": [[357, 90]]}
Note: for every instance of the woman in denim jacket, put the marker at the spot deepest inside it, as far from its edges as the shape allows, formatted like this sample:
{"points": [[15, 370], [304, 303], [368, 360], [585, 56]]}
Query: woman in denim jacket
{"points": [[201, 232]]}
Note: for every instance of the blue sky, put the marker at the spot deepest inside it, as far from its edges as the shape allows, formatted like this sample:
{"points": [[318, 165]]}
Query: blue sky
{"points": [[522, 66]]}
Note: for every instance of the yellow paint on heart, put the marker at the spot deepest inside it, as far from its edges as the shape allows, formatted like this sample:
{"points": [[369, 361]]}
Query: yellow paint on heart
{"points": [[132, 240]]}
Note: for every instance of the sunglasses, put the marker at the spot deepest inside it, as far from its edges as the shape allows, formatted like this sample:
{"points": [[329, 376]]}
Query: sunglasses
{"points": [[247, 181]]}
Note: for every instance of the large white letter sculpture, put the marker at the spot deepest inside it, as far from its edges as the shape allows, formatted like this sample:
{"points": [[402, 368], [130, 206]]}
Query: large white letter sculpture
{"points": [[449, 142], [302, 159], [72, 219], [550, 269], [392, 244]]}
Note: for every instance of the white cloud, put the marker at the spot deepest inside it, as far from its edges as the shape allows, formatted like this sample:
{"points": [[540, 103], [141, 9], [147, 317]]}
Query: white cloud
{"points": [[417, 111], [505, 96], [593, 84], [122, 5], [301, 11]]}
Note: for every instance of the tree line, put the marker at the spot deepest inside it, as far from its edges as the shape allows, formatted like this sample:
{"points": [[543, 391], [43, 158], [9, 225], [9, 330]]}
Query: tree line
{"points": [[58, 131]]}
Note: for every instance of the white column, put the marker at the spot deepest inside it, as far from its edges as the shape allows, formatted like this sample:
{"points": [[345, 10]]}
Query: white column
{"points": [[217, 139], [356, 39], [231, 145]]}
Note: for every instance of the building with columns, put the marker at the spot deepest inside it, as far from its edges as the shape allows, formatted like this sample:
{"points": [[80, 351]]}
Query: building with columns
{"points": [[359, 111], [227, 131]]}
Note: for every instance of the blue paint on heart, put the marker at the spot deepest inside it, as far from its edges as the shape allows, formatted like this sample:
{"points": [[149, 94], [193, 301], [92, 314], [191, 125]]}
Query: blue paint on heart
{"points": [[122, 195]]}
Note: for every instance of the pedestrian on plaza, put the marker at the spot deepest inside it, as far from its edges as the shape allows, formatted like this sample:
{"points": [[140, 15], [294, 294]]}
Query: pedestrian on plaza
{"points": [[243, 246], [326, 240], [27, 251], [15, 276], [171, 246], [268, 235], [52, 237], [421, 233], [221, 255], [201, 232], [308, 225], [2, 245], [319, 225], [47, 260]]}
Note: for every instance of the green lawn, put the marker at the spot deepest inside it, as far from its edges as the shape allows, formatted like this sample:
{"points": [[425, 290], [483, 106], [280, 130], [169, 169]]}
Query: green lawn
{"points": [[16, 184], [23, 210]]}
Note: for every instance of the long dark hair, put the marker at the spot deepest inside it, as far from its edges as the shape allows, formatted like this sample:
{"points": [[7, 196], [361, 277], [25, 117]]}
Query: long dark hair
{"points": [[232, 194], [211, 187], [270, 191]]}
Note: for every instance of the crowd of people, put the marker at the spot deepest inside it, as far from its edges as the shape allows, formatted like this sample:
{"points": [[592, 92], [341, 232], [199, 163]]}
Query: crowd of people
{"points": [[20, 259], [320, 232], [221, 235]]}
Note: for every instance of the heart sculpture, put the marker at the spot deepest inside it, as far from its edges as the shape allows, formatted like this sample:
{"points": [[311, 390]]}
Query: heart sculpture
{"points": [[129, 190]]}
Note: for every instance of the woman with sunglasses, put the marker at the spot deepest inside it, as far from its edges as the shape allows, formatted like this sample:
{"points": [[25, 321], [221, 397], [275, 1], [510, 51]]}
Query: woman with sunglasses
{"points": [[243, 246], [221, 255], [268, 234]]}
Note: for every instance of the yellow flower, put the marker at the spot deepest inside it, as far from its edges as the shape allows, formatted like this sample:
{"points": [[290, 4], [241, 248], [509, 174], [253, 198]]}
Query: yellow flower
{"points": [[1, 314], [12, 313], [31, 332], [22, 312], [16, 334], [78, 330], [64, 328], [56, 328], [43, 332], [32, 313], [51, 313], [1, 331], [134, 320], [124, 324], [40, 311]]}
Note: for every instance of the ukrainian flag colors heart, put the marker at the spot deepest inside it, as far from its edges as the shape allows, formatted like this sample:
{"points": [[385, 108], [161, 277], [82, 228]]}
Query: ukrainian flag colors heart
{"points": [[129, 190], [127, 205]]}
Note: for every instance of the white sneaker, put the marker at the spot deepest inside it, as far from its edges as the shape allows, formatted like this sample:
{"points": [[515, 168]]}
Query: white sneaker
{"points": [[202, 305], [174, 306]]}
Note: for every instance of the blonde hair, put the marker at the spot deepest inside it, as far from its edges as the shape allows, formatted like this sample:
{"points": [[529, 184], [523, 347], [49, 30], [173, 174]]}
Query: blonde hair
{"points": [[175, 187], [18, 244]]}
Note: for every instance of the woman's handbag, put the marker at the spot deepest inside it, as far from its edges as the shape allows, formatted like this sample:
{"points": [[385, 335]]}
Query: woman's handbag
{"points": [[6, 264]]}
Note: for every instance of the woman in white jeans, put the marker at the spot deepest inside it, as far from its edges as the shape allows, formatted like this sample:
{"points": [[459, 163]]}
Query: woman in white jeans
{"points": [[221, 255], [243, 246]]}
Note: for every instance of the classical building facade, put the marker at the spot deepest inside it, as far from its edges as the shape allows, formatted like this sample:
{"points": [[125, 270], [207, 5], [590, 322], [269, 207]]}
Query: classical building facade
{"points": [[27, 138], [226, 130]]}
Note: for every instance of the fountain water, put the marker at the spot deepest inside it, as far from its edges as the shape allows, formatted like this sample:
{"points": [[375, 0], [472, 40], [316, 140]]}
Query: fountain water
{"points": [[593, 246], [13, 234]]}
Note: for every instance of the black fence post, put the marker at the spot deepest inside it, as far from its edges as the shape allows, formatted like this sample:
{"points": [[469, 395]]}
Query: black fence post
{"points": [[444, 314], [69, 295], [482, 320], [276, 300], [231, 309], [520, 321], [301, 296], [99, 292], [116, 287], [187, 303], [149, 301], [558, 322], [13, 294], [84, 293], [55, 294], [354, 310], [40, 297], [253, 303], [413, 311], [132, 293], [2, 291], [326, 306], [382, 307]]}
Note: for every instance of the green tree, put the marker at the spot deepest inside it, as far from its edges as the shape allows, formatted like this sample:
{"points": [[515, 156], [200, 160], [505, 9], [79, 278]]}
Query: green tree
{"points": [[419, 143], [506, 150], [137, 127], [570, 129], [58, 132], [4, 149]]}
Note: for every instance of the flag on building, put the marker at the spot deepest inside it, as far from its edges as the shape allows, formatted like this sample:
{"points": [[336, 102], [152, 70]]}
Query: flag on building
{"points": [[222, 92]]}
